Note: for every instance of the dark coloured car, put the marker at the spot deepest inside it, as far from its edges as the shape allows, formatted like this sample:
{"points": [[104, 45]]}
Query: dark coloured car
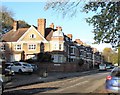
{"points": [[8, 64], [1, 85], [35, 67], [9, 72], [113, 81]]}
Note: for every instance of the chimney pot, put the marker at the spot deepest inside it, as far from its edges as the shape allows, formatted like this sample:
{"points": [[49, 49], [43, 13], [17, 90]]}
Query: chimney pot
{"points": [[70, 36], [52, 25], [79, 41], [59, 28]]}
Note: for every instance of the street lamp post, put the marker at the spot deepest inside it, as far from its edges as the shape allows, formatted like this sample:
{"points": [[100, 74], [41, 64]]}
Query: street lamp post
{"points": [[93, 59], [119, 49], [119, 55]]}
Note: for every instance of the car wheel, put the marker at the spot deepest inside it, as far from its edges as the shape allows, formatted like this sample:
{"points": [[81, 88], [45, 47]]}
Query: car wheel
{"points": [[20, 71], [30, 73], [2, 88]]}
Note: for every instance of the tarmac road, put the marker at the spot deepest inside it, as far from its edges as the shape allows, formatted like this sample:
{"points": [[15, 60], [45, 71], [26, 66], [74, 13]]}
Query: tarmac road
{"points": [[88, 83]]}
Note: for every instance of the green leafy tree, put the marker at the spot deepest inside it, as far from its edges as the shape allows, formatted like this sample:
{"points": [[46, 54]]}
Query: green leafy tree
{"points": [[23, 24], [106, 20], [44, 57], [7, 20], [110, 55], [80, 62]]}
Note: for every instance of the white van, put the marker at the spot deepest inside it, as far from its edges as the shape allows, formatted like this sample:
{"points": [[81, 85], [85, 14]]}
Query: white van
{"points": [[102, 67]]}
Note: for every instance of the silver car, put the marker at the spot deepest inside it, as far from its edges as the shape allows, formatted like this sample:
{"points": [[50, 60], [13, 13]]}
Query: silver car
{"points": [[21, 67]]}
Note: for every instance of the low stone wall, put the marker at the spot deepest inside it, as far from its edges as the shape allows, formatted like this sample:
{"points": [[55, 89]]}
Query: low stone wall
{"points": [[64, 67]]}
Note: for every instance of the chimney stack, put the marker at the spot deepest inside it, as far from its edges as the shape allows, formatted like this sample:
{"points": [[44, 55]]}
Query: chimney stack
{"points": [[52, 25], [42, 26], [15, 25], [70, 36], [59, 28], [79, 41]]}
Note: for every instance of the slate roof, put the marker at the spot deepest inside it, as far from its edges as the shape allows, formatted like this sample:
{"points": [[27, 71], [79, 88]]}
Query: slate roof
{"points": [[49, 33], [13, 36]]}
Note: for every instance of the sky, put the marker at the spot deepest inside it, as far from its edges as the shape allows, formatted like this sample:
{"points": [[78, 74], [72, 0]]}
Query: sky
{"points": [[76, 25]]}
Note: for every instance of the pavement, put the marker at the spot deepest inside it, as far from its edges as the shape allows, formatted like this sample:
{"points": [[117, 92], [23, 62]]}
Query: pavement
{"points": [[26, 79]]}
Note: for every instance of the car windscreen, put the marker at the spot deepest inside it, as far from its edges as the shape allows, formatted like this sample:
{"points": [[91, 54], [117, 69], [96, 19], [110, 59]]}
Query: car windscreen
{"points": [[28, 65], [102, 65], [6, 65]]}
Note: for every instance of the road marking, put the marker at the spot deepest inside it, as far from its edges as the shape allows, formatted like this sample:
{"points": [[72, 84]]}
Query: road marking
{"points": [[81, 83], [63, 82], [71, 80]]}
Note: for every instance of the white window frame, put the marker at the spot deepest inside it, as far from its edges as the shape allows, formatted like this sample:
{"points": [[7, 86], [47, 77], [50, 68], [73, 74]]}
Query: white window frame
{"points": [[18, 47], [55, 46], [3, 47], [32, 46], [60, 46], [65, 48], [73, 50], [32, 36], [60, 59], [55, 58]]}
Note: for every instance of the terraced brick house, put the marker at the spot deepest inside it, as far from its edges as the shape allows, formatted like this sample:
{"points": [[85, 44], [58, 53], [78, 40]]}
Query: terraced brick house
{"points": [[62, 47], [98, 58], [89, 56]]}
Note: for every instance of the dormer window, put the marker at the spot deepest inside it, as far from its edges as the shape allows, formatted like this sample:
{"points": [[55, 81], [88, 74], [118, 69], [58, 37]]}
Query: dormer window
{"points": [[32, 36]]}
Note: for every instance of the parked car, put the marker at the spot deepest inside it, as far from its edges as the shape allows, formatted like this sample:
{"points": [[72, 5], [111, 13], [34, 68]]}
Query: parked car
{"points": [[8, 64], [21, 67], [35, 67], [108, 67], [113, 81], [112, 66], [102, 67], [1, 86], [9, 72]]}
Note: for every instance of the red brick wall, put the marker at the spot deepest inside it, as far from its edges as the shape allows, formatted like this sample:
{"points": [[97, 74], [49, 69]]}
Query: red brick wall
{"points": [[65, 67]]}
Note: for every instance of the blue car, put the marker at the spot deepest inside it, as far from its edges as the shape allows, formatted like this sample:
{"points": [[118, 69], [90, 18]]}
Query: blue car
{"points": [[113, 81]]}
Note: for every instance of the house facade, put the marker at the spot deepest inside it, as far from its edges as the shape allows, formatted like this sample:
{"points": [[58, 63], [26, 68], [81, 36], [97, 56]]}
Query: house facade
{"points": [[98, 58], [25, 43]]}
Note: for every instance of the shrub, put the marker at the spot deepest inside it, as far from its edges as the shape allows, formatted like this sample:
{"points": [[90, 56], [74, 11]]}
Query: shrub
{"points": [[80, 62]]}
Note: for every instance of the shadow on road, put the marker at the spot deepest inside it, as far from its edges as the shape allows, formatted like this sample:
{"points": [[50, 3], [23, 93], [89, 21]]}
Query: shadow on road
{"points": [[29, 91], [39, 90]]}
